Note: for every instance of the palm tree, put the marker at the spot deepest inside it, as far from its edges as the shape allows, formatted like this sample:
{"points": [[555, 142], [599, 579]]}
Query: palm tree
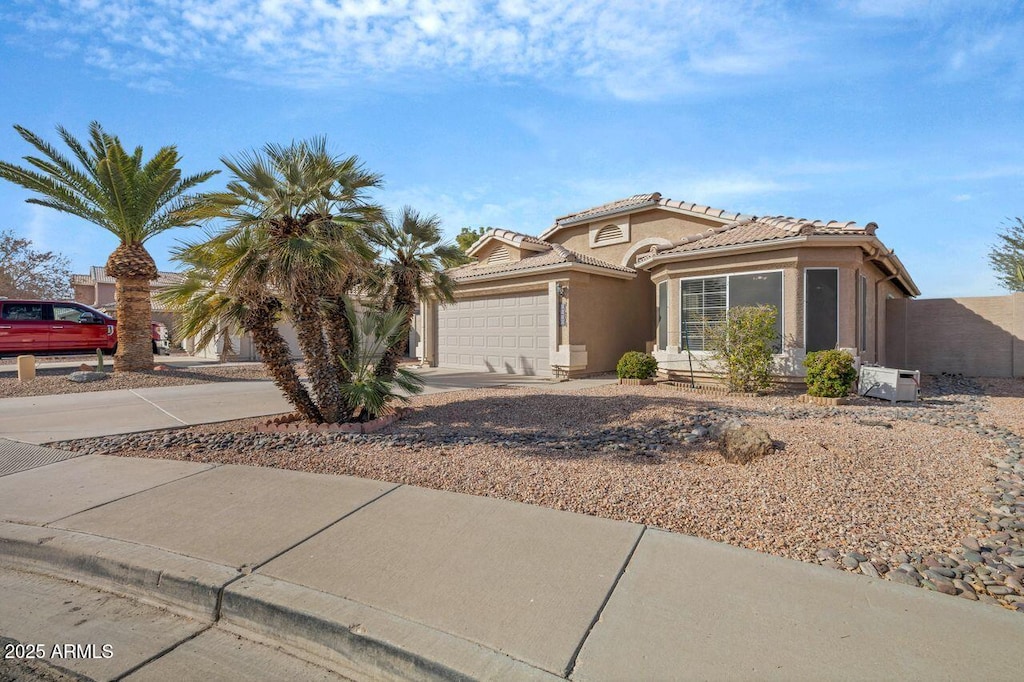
{"points": [[304, 211], [367, 394], [132, 199], [415, 258], [222, 291]]}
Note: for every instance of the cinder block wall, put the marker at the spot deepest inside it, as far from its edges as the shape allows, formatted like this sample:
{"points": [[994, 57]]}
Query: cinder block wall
{"points": [[975, 336]]}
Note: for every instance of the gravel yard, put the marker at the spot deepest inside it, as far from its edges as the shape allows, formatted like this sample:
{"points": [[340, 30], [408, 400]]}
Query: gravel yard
{"points": [[927, 494], [50, 381]]}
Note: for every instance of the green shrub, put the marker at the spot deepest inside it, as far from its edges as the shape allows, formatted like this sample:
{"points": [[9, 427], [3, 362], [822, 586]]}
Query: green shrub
{"points": [[743, 345], [637, 365], [830, 373]]}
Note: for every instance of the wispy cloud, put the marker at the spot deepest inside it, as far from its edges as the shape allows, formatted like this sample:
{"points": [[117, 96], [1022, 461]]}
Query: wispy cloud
{"points": [[618, 47]]}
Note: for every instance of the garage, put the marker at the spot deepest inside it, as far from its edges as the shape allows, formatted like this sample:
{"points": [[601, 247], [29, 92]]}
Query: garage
{"points": [[509, 334]]}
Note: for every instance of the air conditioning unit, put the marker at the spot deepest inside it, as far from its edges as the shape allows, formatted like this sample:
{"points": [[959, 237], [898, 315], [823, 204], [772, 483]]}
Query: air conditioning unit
{"points": [[889, 383]]}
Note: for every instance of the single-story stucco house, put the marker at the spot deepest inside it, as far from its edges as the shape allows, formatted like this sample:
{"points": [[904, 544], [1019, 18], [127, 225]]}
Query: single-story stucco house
{"points": [[642, 273]]}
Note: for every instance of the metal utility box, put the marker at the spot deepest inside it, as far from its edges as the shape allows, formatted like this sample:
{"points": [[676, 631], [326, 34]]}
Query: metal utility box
{"points": [[889, 383]]}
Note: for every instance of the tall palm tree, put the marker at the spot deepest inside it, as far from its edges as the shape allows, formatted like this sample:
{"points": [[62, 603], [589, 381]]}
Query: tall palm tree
{"points": [[305, 211], [415, 256], [132, 199], [224, 290]]}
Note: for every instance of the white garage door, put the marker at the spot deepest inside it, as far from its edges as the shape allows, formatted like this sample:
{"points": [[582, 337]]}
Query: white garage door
{"points": [[507, 334]]}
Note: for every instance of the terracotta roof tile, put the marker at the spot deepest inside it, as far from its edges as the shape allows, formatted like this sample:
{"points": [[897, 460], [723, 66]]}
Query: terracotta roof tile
{"points": [[516, 238], [752, 230], [558, 254], [635, 201], [98, 275]]}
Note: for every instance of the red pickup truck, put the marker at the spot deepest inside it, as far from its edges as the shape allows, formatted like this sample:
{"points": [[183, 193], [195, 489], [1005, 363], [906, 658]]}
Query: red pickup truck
{"points": [[42, 327]]}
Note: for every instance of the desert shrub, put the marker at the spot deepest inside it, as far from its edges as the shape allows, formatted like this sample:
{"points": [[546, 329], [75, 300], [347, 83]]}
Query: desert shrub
{"points": [[636, 365], [830, 373], [743, 345]]}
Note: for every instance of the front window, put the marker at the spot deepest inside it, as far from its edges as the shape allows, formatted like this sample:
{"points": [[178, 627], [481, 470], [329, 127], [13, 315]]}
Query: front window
{"points": [[707, 300]]}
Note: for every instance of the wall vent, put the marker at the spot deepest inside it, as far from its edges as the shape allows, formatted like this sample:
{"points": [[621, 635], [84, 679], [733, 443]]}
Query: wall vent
{"points": [[499, 255], [609, 234]]}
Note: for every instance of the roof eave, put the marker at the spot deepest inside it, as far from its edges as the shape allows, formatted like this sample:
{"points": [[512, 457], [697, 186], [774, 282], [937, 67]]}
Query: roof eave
{"points": [[767, 245], [544, 269]]}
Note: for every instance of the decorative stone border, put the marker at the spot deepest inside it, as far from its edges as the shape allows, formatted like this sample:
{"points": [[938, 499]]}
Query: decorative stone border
{"points": [[818, 400], [636, 382], [709, 388], [292, 423]]}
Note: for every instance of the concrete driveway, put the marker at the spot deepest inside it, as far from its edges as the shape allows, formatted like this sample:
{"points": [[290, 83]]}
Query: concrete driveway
{"points": [[45, 419]]}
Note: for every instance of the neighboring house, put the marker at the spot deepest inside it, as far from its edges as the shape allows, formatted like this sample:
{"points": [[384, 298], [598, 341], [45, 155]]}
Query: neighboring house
{"points": [[643, 273], [96, 289]]}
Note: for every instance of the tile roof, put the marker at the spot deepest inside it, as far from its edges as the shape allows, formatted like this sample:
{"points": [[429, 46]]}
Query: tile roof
{"points": [[556, 255], [98, 275], [752, 230], [629, 203], [516, 238], [718, 213]]}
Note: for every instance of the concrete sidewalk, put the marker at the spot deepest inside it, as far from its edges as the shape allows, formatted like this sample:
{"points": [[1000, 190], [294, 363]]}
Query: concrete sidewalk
{"points": [[51, 418], [393, 581]]}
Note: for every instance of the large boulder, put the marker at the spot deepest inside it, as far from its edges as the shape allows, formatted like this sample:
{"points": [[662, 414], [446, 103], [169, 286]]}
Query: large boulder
{"points": [[85, 377], [741, 443]]}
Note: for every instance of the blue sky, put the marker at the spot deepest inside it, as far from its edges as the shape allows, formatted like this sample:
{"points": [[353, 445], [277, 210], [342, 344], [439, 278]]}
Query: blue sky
{"points": [[509, 113]]}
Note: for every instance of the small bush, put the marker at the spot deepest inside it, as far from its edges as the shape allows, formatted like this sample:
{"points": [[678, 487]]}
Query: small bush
{"points": [[637, 365], [830, 373], [743, 345]]}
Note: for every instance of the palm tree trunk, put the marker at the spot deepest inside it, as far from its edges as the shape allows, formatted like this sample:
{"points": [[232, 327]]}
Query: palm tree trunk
{"points": [[133, 269], [134, 332], [339, 337], [309, 329], [405, 300], [273, 350]]}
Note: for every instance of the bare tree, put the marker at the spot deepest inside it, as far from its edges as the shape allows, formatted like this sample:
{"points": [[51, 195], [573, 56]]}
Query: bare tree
{"points": [[27, 273]]}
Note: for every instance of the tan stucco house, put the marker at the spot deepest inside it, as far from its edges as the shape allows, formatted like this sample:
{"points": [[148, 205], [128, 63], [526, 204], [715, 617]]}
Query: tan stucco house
{"points": [[642, 272]]}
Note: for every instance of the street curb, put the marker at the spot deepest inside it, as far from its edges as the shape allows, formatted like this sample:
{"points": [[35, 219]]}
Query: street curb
{"points": [[357, 640], [382, 645], [182, 584]]}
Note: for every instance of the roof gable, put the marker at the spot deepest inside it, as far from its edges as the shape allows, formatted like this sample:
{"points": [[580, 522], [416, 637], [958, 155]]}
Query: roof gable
{"points": [[516, 240], [641, 202]]}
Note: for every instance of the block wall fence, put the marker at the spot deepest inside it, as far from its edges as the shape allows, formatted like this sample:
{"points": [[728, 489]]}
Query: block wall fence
{"points": [[974, 336]]}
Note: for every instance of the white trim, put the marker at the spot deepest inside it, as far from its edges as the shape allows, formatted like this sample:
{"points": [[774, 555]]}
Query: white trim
{"points": [[805, 302]]}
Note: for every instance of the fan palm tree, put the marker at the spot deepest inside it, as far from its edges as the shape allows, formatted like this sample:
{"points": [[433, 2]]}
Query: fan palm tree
{"points": [[304, 211], [223, 291], [367, 394], [135, 200], [415, 256]]}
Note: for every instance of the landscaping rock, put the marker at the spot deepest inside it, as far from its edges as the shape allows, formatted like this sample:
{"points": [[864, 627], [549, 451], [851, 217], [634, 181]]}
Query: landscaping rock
{"points": [[904, 578], [85, 377], [743, 444]]}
